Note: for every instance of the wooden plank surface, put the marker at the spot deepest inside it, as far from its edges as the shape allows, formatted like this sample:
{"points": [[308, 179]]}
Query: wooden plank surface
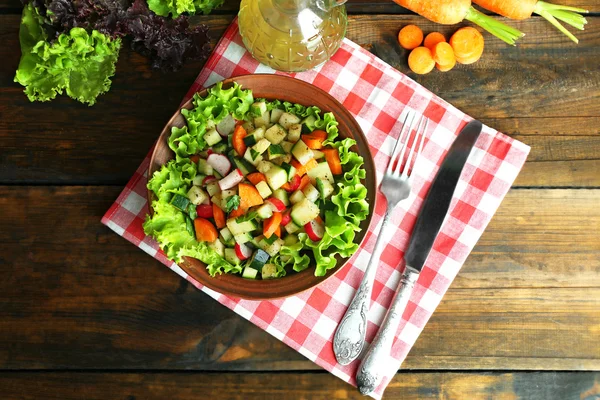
{"points": [[76, 295], [276, 386], [553, 106]]}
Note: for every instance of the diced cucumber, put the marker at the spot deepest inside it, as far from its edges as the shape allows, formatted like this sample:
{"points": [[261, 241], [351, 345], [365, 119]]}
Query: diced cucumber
{"points": [[244, 166], [282, 195], [259, 107], [218, 200], [259, 258], [302, 153], [198, 180], [242, 238], [237, 228], [287, 146], [259, 133], [248, 126], [322, 172], [228, 193], [297, 197], [264, 166], [274, 248], [263, 120], [276, 177], [303, 212], [308, 124], [210, 124], [261, 146], [290, 240], [180, 202], [287, 158], [226, 237], [220, 148], [204, 167], [294, 132], [268, 240], [196, 195], [263, 189], [212, 137], [249, 273], [189, 226], [324, 187], [250, 140], [248, 156], [275, 134], [232, 257], [218, 247], [286, 120], [289, 169], [291, 227], [276, 113], [265, 211], [275, 151], [318, 154], [213, 188], [311, 192], [269, 271]]}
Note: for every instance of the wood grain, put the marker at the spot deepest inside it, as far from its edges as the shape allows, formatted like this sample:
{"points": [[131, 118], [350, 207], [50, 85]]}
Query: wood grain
{"points": [[76, 295], [97, 150], [275, 386]]}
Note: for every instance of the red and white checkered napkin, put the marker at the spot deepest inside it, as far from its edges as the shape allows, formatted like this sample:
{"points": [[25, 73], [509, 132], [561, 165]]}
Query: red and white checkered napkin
{"points": [[378, 96]]}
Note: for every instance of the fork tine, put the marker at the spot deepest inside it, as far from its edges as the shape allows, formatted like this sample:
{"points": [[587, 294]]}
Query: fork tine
{"points": [[423, 136], [418, 135], [398, 144], [401, 158]]}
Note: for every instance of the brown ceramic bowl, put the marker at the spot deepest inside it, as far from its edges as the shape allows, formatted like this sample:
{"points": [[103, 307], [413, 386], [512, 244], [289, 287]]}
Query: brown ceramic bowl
{"points": [[283, 88]]}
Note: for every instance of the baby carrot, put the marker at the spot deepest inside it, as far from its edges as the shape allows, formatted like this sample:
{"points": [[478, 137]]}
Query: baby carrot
{"points": [[410, 37], [420, 61], [432, 39]]}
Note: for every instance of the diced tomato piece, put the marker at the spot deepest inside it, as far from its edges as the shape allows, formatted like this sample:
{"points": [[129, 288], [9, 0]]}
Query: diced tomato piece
{"points": [[204, 211]]}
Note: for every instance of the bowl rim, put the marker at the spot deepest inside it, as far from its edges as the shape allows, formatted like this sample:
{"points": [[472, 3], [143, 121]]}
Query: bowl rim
{"points": [[288, 285]]}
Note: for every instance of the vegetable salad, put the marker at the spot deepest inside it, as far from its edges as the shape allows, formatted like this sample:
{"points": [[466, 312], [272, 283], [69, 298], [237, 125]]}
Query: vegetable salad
{"points": [[258, 188]]}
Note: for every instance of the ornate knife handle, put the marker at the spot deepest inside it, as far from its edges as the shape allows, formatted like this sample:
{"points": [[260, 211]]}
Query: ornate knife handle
{"points": [[350, 335], [374, 362]]}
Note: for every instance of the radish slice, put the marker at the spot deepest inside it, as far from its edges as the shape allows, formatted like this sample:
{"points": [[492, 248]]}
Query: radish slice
{"points": [[242, 251], [276, 204], [314, 230], [294, 183], [226, 126], [219, 162], [208, 180], [286, 218], [204, 211], [231, 180]]}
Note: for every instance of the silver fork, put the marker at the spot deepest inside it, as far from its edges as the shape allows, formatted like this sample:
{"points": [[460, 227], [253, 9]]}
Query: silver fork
{"points": [[350, 334]]}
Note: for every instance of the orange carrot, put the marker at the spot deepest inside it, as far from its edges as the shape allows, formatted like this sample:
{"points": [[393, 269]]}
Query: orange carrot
{"points": [[451, 12], [249, 196], [256, 177], [205, 230], [410, 37], [219, 216], [447, 67], [271, 224], [315, 139], [238, 140], [278, 230], [523, 9], [420, 61], [432, 39], [195, 158], [333, 159], [467, 44], [304, 182], [303, 169], [238, 212], [443, 54]]}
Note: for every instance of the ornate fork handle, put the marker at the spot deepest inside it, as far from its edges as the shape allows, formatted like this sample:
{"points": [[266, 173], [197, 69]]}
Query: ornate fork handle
{"points": [[350, 335], [374, 362]]}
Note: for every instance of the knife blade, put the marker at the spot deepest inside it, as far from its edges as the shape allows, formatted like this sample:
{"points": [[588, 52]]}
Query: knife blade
{"points": [[430, 219], [437, 202]]}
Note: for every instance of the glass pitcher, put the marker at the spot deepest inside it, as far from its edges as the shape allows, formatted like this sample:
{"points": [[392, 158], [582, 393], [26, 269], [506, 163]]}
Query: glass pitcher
{"points": [[292, 35]]}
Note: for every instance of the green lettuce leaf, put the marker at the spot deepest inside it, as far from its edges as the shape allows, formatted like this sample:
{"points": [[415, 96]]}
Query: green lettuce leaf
{"points": [[172, 178], [214, 262], [78, 63], [215, 106], [167, 225], [326, 122], [352, 162], [351, 202], [178, 7]]}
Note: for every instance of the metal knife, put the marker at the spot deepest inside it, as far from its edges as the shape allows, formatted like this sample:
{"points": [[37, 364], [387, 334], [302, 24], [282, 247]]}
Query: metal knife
{"points": [[434, 210]]}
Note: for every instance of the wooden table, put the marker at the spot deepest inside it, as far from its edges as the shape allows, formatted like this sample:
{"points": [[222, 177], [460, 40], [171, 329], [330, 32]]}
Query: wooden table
{"points": [[84, 314]]}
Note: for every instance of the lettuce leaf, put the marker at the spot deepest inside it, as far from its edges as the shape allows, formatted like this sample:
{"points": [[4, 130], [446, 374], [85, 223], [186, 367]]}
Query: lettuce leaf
{"points": [[178, 7], [214, 262], [172, 178], [78, 63], [215, 106], [167, 226]]}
